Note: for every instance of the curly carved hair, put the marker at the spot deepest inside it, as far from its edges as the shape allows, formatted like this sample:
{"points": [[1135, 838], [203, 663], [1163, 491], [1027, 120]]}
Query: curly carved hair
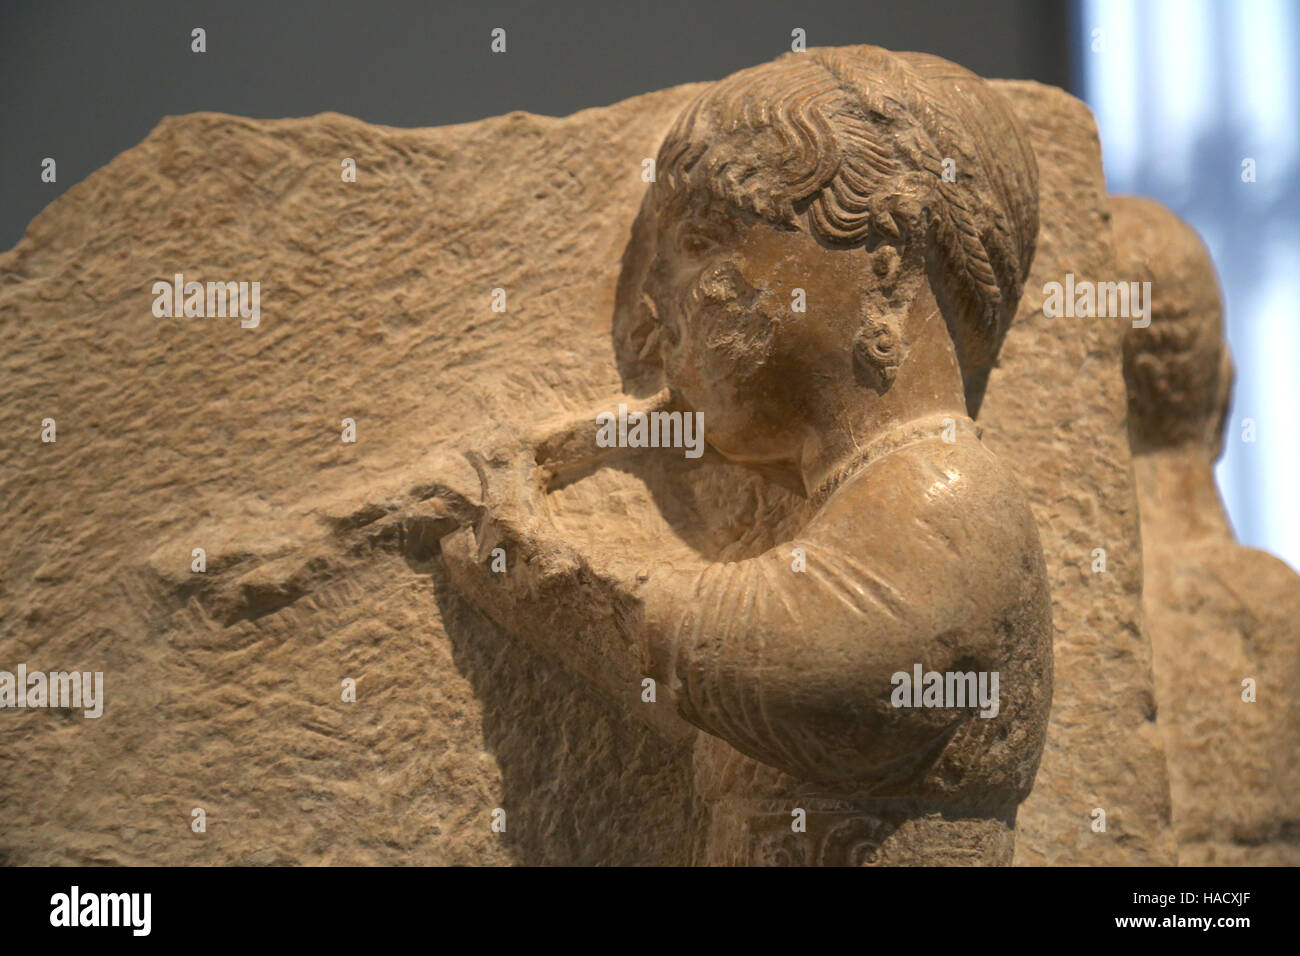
{"points": [[851, 143], [1177, 370]]}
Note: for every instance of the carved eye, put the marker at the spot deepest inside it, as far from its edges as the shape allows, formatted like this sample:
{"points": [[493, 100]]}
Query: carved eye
{"points": [[696, 239]]}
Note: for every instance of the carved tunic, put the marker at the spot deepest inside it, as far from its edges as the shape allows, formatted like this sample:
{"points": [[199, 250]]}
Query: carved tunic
{"points": [[926, 554]]}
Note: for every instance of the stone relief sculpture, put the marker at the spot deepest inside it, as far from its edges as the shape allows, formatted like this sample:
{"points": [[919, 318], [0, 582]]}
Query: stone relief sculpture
{"points": [[821, 177], [1222, 616], [755, 530]]}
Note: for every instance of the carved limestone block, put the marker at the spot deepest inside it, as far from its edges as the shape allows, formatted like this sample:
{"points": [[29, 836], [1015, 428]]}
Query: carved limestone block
{"points": [[1222, 617]]}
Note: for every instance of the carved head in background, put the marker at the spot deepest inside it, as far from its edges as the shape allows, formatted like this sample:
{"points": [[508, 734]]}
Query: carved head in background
{"points": [[896, 190], [1178, 370]]}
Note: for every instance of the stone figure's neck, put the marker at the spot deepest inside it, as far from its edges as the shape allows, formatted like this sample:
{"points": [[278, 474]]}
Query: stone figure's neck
{"points": [[947, 426], [1178, 496], [927, 390]]}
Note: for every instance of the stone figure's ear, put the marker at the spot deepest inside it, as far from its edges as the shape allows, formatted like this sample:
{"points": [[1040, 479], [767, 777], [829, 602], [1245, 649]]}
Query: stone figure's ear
{"points": [[878, 351]]}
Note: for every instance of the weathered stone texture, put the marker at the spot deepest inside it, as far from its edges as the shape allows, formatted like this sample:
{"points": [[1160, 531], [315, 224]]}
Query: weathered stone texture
{"points": [[223, 689]]}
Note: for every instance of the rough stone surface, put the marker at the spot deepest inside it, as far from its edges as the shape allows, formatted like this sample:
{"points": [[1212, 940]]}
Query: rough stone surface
{"points": [[224, 689], [1055, 409], [1220, 615]]}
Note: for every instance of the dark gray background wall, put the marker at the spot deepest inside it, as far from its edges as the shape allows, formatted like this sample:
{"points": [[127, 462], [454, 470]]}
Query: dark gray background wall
{"points": [[82, 82]]}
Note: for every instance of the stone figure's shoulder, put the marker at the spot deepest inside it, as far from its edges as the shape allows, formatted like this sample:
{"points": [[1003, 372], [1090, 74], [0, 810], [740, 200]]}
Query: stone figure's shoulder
{"points": [[1267, 575], [957, 493], [1244, 578]]}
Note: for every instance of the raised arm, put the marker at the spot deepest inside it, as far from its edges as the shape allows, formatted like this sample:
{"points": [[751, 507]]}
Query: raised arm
{"points": [[928, 558]]}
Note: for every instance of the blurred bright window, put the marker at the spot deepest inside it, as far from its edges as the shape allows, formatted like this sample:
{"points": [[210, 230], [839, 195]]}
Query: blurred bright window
{"points": [[1189, 94]]}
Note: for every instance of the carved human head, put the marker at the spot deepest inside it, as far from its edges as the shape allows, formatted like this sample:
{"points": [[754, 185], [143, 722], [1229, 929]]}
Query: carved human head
{"points": [[1178, 370], [892, 196]]}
